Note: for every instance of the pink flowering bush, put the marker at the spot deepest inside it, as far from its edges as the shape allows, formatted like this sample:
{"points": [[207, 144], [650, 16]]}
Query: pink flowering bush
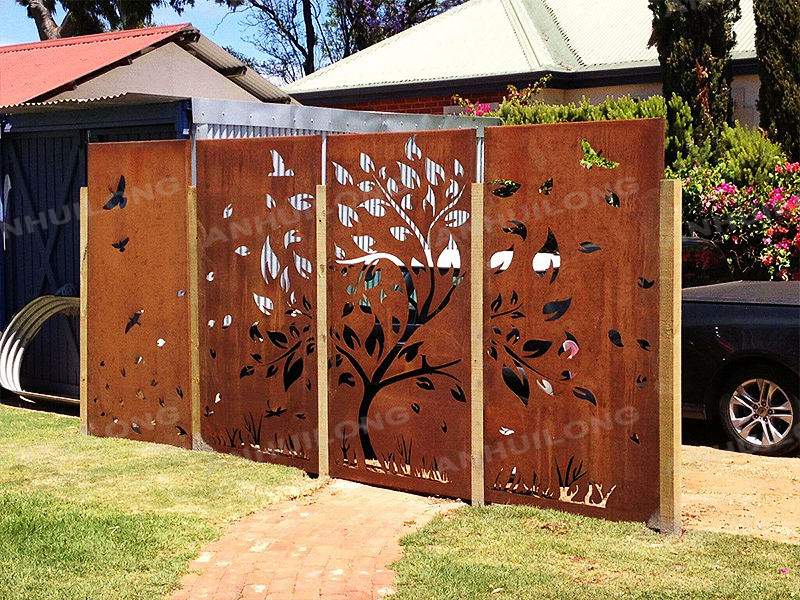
{"points": [[757, 226]]}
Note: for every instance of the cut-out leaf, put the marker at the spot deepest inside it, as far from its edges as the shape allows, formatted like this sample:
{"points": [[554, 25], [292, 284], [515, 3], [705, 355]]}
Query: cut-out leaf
{"points": [[255, 334], [408, 176], [347, 215], [641, 381], [409, 351], [458, 394], [342, 175], [546, 187], [646, 284], [517, 228], [412, 150], [367, 165], [227, 212], [246, 371], [505, 188], [589, 247], [644, 344], [347, 379], [456, 218], [545, 386], [265, 305], [242, 251], [615, 338], [517, 381], [594, 158], [374, 206], [501, 261], [300, 201], [292, 370], [547, 257], [278, 338], [556, 309], [612, 199], [425, 383], [278, 166], [415, 407], [536, 348], [350, 338], [584, 394]]}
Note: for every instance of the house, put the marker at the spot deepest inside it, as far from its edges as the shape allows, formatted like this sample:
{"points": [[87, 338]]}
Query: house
{"points": [[590, 48]]}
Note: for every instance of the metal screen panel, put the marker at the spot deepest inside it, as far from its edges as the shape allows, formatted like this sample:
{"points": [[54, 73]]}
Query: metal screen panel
{"points": [[571, 316], [138, 306], [398, 309], [256, 212]]}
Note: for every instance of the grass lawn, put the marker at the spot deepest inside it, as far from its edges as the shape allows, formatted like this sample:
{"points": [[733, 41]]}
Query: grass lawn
{"points": [[520, 553], [92, 518]]}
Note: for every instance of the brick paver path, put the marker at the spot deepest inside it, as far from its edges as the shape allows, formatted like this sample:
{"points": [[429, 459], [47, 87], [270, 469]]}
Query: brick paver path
{"points": [[334, 545]]}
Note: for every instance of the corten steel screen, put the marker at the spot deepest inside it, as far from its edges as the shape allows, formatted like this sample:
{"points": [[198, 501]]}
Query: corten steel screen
{"points": [[257, 243], [398, 309], [138, 306], [571, 316]]}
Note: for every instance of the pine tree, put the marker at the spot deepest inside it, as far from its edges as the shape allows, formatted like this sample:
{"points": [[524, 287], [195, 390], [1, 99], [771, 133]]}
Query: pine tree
{"points": [[778, 49], [694, 39]]}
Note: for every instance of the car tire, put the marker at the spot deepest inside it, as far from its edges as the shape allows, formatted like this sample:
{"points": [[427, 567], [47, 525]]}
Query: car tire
{"points": [[760, 410]]}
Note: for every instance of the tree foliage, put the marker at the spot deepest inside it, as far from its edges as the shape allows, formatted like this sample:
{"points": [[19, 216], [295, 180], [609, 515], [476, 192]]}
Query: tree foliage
{"points": [[300, 36], [695, 39], [83, 17], [358, 24], [778, 48]]}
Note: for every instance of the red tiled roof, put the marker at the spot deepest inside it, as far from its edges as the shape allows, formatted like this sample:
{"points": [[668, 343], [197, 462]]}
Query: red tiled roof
{"points": [[28, 71]]}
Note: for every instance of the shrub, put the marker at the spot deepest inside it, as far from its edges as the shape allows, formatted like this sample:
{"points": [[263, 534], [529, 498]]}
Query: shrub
{"points": [[778, 46], [694, 41], [756, 226], [748, 158]]}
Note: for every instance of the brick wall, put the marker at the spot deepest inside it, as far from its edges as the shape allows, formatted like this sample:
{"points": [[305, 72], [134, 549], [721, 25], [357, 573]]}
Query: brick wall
{"points": [[425, 104]]}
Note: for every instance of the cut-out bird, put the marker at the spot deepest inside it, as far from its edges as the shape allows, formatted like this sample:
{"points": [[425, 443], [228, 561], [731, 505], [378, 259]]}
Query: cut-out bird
{"points": [[118, 198], [134, 320]]}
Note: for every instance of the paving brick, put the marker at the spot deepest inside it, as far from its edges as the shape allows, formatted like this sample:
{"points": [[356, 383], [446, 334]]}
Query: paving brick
{"points": [[334, 545]]}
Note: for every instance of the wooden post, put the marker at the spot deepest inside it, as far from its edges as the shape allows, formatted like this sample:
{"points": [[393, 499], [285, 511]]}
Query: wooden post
{"points": [[322, 329], [669, 368], [84, 318], [194, 319], [476, 344]]}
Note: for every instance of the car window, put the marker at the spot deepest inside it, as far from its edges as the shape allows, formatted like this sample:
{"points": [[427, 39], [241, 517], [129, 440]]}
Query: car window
{"points": [[703, 264]]}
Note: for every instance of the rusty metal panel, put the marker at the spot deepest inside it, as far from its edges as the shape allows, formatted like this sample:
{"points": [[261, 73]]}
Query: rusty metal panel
{"points": [[398, 309], [571, 316], [256, 214], [138, 312]]}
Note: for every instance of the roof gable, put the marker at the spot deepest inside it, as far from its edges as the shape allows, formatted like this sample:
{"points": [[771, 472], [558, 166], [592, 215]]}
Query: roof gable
{"points": [[28, 71], [41, 70]]}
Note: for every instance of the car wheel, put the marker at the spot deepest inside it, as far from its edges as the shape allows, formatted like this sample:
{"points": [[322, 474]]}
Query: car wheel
{"points": [[760, 411]]}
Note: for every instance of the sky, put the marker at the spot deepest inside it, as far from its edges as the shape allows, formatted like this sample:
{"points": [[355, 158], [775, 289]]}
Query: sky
{"points": [[206, 15]]}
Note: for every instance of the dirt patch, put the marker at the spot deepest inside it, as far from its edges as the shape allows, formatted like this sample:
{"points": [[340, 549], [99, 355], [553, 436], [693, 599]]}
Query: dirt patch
{"points": [[741, 493]]}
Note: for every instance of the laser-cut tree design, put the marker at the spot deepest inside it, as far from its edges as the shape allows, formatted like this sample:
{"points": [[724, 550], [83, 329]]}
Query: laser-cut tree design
{"points": [[411, 261]]}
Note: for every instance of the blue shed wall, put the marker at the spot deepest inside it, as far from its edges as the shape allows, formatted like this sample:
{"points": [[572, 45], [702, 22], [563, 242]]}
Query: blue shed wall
{"points": [[45, 156]]}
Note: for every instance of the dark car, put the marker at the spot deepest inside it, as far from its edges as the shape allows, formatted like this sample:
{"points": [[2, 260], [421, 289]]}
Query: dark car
{"points": [[741, 361], [703, 263]]}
